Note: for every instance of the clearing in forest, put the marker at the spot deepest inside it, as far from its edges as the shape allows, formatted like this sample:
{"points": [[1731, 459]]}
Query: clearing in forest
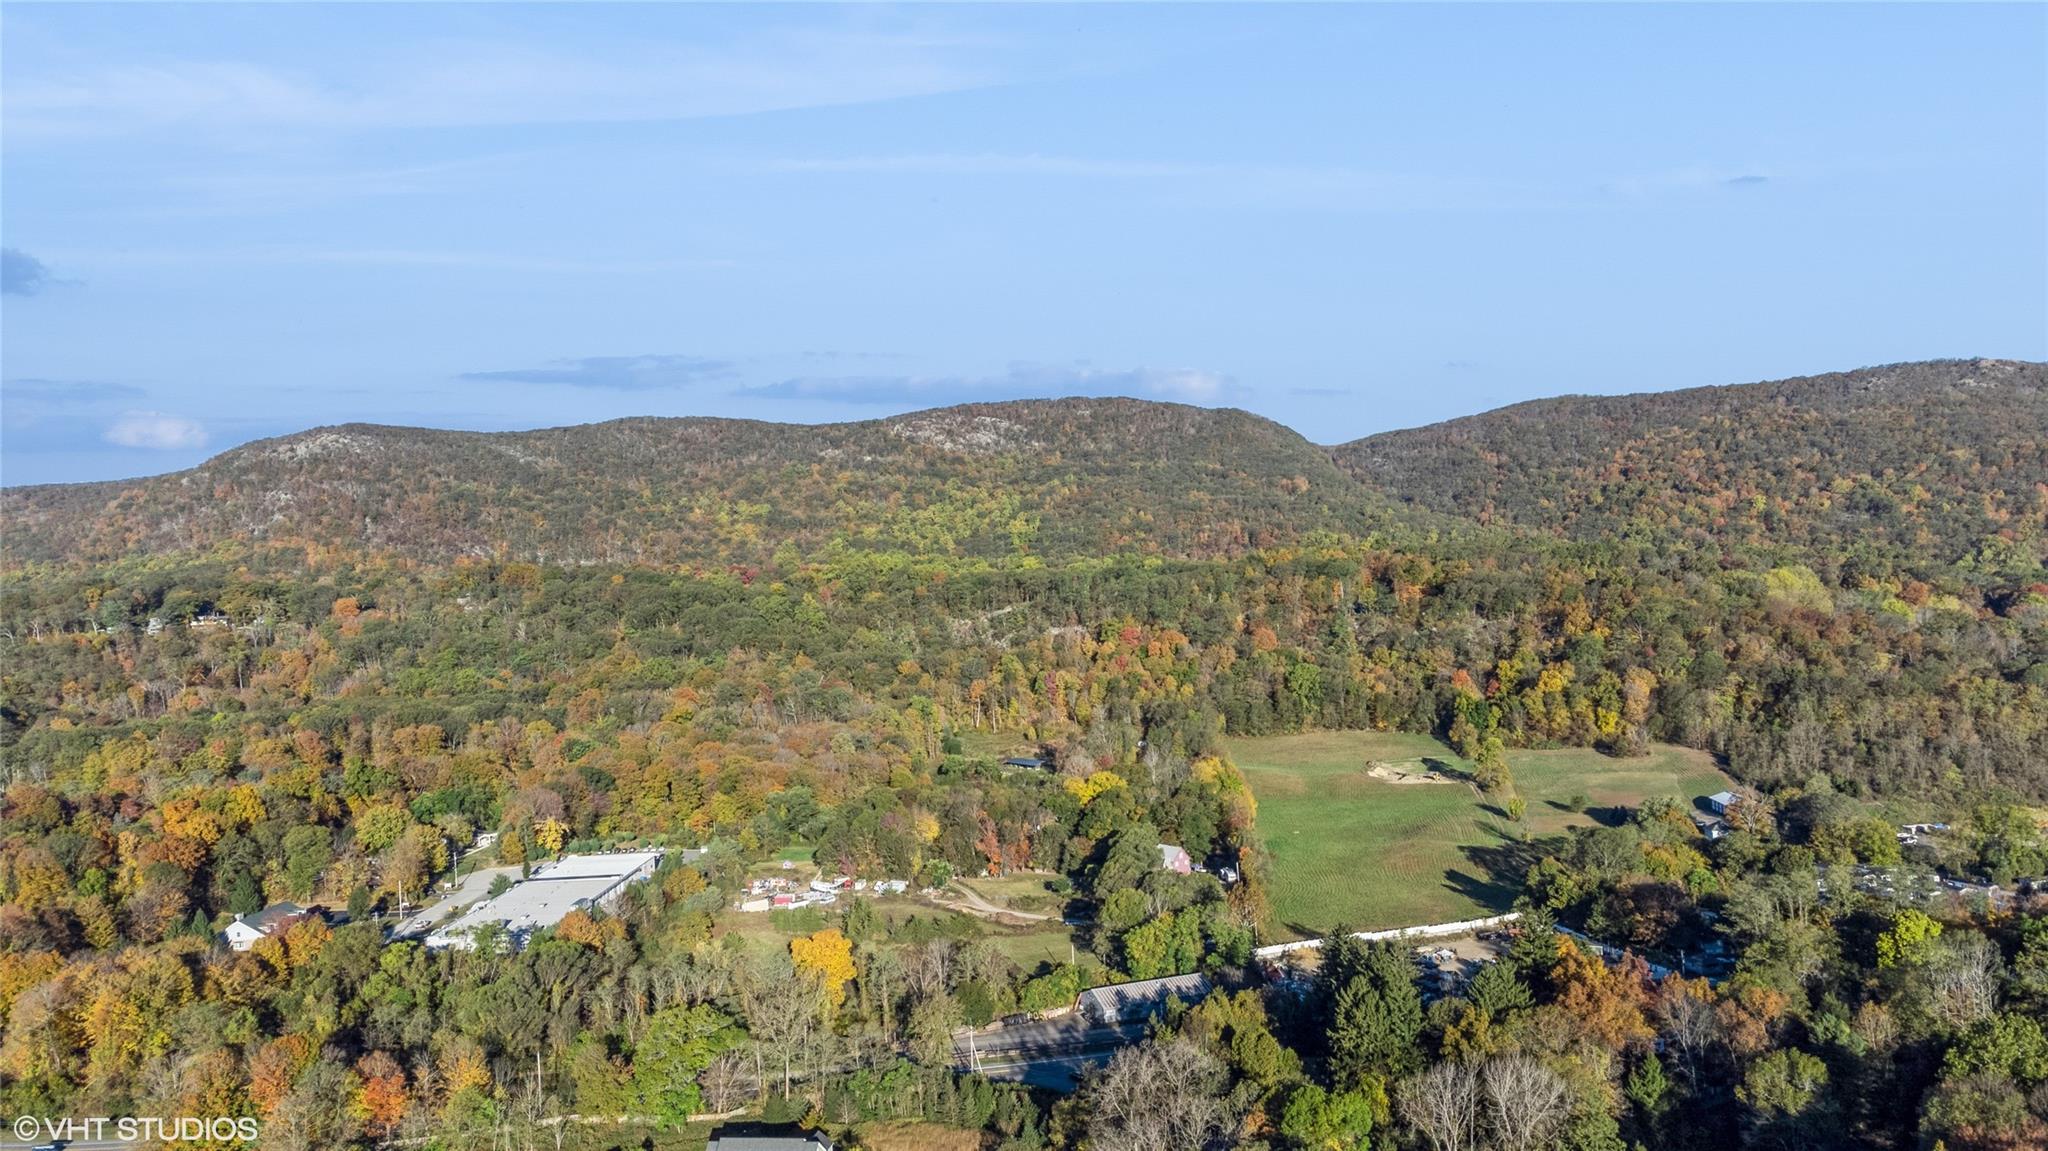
{"points": [[1356, 840]]}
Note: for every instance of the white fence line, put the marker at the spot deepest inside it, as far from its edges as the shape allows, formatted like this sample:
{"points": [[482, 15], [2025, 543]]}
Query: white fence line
{"points": [[1423, 932]]}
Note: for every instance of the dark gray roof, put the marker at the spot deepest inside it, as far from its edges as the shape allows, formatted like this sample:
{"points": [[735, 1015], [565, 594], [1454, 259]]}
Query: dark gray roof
{"points": [[758, 1137], [274, 914]]}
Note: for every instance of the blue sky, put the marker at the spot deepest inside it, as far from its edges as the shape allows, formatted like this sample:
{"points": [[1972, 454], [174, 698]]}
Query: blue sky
{"points": [[228, 222]]}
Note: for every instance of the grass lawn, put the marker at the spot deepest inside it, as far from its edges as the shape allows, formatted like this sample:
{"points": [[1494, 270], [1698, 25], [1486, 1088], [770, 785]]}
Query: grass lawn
{"points": [[1028, 947], [1022, 892], [1349, 848], [993, 744]]}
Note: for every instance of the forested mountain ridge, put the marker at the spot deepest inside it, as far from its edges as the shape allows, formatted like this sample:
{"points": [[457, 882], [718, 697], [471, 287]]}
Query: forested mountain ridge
{"points": [[1926, 464], [1934, 462], [317, 668], [1047, 478]]}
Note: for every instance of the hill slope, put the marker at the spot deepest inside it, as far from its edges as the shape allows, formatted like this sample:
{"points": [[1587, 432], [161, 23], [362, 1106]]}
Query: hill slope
{"points": [[1052, 478], [1936, 460], [1933, 463]]}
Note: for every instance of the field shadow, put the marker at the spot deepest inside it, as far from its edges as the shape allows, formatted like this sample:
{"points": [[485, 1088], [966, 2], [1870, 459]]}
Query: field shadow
{"points": [[1446, 768], [1499, 867], [1491, 894]]}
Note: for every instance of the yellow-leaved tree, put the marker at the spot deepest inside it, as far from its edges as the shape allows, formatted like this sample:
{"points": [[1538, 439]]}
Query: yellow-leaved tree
{"points": [[1087, 789], [549, 834], [828, 955]]}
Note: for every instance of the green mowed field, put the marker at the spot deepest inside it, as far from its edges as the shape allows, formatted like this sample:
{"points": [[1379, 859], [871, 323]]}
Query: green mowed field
{"points": [[1349, 848]]}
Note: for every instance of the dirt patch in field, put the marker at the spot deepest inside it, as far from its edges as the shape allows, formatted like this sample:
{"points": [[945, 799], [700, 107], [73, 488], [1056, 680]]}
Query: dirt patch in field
{"points": [[1406, 773]]}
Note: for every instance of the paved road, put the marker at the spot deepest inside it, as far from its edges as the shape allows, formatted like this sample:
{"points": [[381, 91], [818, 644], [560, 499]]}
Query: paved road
{"points": [[471, 889], [1046, 1052]]}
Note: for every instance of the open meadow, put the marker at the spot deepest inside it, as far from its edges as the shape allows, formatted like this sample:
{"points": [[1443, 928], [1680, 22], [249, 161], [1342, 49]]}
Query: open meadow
{"points": [[1352, 845]]}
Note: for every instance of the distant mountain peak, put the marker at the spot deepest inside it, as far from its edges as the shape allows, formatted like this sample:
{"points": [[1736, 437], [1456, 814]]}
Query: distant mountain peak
{"points": [[1046, 478], [1933, 458]]}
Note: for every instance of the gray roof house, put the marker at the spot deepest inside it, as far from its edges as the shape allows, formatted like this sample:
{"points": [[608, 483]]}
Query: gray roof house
{"points": [[245, 930], [767, 1137]]}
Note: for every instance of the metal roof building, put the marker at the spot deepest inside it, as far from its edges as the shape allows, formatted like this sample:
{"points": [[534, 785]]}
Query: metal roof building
{"points": [[551, 892], [1125, 1002]]}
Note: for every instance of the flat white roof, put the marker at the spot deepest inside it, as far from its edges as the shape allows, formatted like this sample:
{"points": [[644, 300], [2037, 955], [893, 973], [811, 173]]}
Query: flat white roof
{"points": [[614, 864], [551, 892]]}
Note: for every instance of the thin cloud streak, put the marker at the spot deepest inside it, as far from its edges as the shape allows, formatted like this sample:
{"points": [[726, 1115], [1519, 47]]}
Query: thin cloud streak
{"points": [[397, 257], [38, 391], [1310, 186], [1021, 381], [615, 373], [475, 83]]}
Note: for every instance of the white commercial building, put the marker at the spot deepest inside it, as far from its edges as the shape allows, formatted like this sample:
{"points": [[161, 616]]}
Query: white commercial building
{"points": [[552, 891]]}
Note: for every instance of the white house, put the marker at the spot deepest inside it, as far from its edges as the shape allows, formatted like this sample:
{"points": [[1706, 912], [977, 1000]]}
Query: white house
{"points": [[241, 936], [1721, 801], [243, 933]]}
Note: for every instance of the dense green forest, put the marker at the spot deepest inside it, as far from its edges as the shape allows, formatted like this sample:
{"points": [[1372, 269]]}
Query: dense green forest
{"points": [[316, 667]]}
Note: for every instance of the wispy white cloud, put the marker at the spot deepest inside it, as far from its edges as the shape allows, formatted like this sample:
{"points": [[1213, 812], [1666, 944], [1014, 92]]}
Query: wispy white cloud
{"points": [[155, 431], [995, 164], [1311, 186], [1336, 187], [1695, 177], [391, 257], [476, 83], [615, 373], [271, 184], [38, 391], [1021, 381]]}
